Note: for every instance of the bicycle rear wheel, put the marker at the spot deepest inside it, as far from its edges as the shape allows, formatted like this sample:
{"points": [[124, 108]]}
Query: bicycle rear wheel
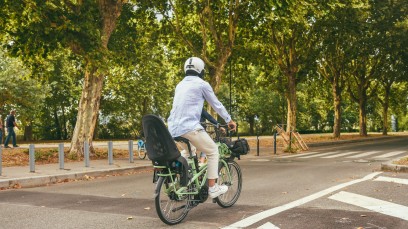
{"points": [[141, 151], [171, 208], [234, 184]]}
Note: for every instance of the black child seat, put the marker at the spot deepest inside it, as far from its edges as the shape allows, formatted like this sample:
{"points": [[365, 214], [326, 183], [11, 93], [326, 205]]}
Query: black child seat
{"points": [[160, 146]]}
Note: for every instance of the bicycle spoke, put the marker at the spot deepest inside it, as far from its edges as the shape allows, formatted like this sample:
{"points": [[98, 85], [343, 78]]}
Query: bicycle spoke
{"points": [[170, 208]]}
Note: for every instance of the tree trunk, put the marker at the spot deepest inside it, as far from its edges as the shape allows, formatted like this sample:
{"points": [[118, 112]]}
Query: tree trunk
{"points": [[87, 112], [251, 121], [28, 132], [145, 106], [64, 124], [144, 112], [385, 109], [216, 78], [89, 103], [363, 116], [95, 134], [292, 104], [337, 108], [362, 84], [385, 119], [57, 124], [215, 75]]}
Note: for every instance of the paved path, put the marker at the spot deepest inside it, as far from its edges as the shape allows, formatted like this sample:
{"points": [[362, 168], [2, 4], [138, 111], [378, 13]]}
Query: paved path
{"points": [[20, 176]]}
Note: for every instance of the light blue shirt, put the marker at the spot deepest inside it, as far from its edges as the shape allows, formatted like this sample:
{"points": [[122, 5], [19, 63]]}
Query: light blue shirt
{"points": [[188, 103]]}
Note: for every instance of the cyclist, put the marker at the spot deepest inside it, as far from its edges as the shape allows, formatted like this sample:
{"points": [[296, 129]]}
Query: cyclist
{"points": [[184, 119]]}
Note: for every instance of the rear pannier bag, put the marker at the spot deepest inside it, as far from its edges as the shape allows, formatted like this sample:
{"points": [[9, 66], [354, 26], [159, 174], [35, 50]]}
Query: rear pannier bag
{"points": [[239, 147]]}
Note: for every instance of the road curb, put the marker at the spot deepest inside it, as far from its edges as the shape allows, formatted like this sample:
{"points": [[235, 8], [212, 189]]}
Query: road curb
{"points": [[390, 166], [36, 181]]}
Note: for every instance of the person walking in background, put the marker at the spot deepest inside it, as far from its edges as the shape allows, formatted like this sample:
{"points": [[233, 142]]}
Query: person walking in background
{"points": [[10, 124]]}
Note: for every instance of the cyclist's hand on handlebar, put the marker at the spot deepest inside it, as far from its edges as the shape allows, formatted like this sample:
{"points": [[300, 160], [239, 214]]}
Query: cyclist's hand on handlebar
{"points": [[232, 125], [223, 130]]}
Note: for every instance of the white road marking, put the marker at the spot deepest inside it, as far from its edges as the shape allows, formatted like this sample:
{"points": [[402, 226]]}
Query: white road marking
{"points": [[260, 160], [390, 154], [364, 154], [381, 206], [268, 225], [273, 211], [342, 154], [390, 179], [299, 155], [319, 155]]}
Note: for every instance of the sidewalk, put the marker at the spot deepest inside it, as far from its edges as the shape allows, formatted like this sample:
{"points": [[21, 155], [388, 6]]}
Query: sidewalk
{"points": [[21, 177]]}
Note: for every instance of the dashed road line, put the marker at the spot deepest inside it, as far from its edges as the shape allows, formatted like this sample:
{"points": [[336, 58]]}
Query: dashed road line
{"points": [[335, 154], [376, 205], [364, 154], [299, 155], [391, 179], [342, 154], [319, 155], [390, 154]]}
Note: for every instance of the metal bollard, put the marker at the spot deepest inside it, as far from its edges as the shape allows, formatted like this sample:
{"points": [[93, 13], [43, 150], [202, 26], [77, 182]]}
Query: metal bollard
{"points": [[86, 153], [31, 153], [61, 155], [131, 151], [1, 160], [110, 152]]}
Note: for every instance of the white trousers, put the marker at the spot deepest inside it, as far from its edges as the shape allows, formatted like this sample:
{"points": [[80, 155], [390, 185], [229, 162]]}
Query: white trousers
{"points": [[200, 141]]}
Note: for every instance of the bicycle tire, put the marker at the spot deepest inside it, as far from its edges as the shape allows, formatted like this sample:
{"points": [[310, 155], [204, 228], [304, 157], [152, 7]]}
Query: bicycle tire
{"points": [[234, 186], [141, 152], [167, 202]]}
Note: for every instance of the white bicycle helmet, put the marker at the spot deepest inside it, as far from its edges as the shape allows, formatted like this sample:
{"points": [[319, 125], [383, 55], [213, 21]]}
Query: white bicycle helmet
{"points": [[194, 66]]}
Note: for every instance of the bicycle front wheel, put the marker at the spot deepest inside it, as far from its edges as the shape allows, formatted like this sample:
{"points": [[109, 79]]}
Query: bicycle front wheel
{"points": [[234, 182], [141, 151], [171, 208]]}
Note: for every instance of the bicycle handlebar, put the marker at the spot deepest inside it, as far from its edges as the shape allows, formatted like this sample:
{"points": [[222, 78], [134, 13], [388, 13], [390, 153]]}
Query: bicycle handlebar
{"points": [[214, 125], [217, 130]]}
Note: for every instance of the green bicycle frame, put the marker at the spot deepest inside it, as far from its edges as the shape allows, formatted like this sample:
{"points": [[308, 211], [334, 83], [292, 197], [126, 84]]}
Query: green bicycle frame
{"points": [[224, 153]]}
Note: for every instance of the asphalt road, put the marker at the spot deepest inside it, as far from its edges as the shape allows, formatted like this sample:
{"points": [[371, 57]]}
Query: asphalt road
{"points": [[337, 187]]}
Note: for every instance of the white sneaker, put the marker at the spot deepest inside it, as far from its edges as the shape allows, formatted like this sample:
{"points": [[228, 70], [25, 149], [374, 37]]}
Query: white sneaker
{"points": [[217, 190]]}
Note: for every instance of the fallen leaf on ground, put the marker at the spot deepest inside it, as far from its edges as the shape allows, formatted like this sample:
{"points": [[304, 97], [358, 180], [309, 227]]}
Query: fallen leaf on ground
{"points": [[17, 186]]}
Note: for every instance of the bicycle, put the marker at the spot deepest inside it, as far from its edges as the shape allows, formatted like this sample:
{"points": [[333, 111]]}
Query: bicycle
{"points": [[180, 183], [141, 149]]}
